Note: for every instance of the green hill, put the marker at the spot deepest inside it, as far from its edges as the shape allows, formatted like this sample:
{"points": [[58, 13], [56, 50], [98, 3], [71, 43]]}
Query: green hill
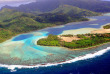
{"points": [[6, 14], [65, 14], [72, 10], [13, 23]]}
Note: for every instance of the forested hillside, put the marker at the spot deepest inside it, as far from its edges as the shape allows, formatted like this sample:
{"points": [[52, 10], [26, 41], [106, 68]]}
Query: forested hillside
{"points": [[65, 14], [74, 11], [50, 5], [13, 23]]}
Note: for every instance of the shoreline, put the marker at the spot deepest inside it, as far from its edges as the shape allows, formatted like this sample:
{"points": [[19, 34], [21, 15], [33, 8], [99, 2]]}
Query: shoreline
{"points": [[104, 25], [69, 39], [56, 26], [79, 58], [81, 29], [12, 67], [88, 48]]}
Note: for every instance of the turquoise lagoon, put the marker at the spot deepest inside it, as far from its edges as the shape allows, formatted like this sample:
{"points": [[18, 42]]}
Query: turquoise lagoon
{"points": [[23, 49]]}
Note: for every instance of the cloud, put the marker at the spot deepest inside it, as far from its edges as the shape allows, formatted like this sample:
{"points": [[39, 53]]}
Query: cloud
{"points": [[5, 1], [14, 2]]}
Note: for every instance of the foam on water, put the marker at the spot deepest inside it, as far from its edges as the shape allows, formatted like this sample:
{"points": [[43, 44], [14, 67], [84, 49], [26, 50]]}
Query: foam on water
{"points": [[87, 56], [27, 49]]}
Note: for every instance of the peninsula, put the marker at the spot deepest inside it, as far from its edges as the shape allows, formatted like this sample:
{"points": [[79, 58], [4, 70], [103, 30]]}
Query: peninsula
{"points": [[78, 41]]}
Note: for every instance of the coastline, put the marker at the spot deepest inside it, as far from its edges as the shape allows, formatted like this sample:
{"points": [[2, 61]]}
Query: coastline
{"points": [[88, 48], [83, 57], [12, 67], [92, 32], [78, 31], [82, 30], [56, 26]]}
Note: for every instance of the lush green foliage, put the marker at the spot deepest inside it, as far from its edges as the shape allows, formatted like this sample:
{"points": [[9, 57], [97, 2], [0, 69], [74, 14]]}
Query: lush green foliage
{"points": [[5, 34], [13, 23], [73, 11], [58, 18], [68, 35], [87, 40], [106, 26], [65, 14], [51, 40]]}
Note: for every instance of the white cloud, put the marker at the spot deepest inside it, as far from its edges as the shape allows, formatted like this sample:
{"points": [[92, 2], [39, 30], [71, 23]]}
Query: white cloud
{"points": [[4, 1], [14, 2]]}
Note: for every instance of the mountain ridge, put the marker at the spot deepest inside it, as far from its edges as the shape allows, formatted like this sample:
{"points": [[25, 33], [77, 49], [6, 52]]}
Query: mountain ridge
{"points": [[50, 5], [68, 9]]}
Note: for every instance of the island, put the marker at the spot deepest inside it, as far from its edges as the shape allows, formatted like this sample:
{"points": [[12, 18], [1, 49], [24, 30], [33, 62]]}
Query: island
{"points": [[30, 36], [94, 38], [13, 22]]}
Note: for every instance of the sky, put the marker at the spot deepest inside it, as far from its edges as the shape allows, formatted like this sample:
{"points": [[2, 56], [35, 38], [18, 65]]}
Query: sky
{"points": [[105, 0], [14, 2]]}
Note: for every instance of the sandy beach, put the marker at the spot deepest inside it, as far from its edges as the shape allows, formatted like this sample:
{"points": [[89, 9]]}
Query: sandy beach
{"points": [[79, 31], [83, 31], [69, 39], [101, 31]]}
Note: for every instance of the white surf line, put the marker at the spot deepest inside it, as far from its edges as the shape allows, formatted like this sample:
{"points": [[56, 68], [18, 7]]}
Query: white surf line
{"points": [[87, 56]]}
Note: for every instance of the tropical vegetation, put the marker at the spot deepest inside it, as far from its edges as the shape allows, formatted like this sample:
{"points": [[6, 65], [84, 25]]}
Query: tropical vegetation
{"points": [[106, 26], [13, 22], [87, 40]]}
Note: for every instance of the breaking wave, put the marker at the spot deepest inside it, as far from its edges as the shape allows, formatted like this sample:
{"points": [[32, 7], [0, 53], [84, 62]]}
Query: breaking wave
{"points": [[87, 56]]}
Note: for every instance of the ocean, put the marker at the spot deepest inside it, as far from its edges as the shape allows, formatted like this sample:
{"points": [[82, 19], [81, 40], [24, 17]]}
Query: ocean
{"points": [[24, 46]]}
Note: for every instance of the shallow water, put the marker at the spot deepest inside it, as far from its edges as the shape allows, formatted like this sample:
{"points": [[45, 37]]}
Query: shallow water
{"points": [[23, 50]]}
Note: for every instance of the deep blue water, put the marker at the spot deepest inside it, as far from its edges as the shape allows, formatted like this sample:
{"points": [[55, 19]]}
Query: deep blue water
{"points": [[98, 65], [22, 37]]}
